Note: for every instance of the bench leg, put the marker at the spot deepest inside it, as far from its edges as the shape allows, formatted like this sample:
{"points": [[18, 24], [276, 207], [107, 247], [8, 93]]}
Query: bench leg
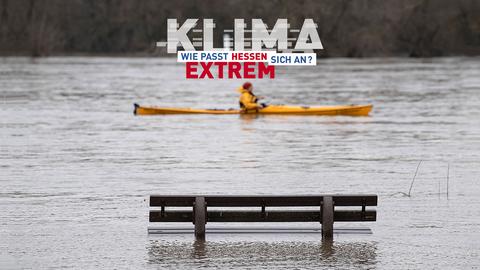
{"points": [[327, 217], [200, 217]]}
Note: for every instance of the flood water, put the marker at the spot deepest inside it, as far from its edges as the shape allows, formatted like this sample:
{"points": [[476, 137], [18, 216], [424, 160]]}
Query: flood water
{"points": [[77, 167]]}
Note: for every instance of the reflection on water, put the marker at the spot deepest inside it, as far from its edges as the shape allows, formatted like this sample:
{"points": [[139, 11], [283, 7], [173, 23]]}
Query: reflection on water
{"points": [[260, 254], [248, 118]]}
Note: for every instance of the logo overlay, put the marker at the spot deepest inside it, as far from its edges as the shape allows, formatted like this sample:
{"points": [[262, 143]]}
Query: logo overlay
{"points": [[254, 54]]}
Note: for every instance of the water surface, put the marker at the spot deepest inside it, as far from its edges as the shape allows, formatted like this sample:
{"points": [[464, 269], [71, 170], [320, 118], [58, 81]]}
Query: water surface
{"points": [[76, 165]]}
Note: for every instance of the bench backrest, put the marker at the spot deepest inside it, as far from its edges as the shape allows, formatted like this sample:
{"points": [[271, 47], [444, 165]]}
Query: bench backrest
{"points": [[262, 202]]}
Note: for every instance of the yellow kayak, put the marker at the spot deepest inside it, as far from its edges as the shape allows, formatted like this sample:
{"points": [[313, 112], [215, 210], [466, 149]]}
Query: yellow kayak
{"points": [[350, 110]]}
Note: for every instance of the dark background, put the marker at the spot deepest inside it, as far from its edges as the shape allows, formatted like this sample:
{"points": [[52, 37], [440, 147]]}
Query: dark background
{"points": [[347, 28]]}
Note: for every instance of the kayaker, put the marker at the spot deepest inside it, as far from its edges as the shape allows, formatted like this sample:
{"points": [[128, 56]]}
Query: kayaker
{"points": [[248, 101]]}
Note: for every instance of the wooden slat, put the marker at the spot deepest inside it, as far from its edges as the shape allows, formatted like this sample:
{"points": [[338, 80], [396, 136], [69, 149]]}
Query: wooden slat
{"points": [[354, 216], [171, 216], [269, 201], [269, 216], [249, 201], [171, 200], [355, 200]]}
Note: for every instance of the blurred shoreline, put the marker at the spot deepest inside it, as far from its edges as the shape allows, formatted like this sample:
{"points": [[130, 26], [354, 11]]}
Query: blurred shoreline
{"points": [[357, 29]]}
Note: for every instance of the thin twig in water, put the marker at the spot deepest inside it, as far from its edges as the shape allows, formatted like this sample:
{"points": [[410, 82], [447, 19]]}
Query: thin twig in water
{"points": [[413, 180], [448, 177], [439, 182], [402, 193]]}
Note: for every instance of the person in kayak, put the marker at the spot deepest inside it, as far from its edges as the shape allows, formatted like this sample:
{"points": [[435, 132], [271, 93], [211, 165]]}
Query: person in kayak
{"points": [[248, 101]]}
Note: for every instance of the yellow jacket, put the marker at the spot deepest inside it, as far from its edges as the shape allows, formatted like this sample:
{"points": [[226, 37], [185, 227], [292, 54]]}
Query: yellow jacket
{"points": [[248, 101]]}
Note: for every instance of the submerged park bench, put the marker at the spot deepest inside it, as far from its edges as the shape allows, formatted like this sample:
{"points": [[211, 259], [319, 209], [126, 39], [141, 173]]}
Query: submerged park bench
{"points": [[198, 209]]}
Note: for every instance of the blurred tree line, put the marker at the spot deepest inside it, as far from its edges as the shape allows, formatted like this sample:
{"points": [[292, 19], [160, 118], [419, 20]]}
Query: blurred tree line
{"points": [[351, 28]]}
